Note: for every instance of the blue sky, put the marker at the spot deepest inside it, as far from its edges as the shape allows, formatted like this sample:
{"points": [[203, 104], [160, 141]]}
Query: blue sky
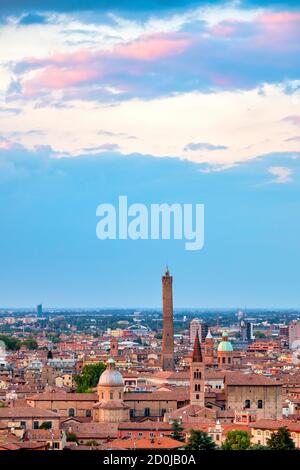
{"points": [[189, 102]]}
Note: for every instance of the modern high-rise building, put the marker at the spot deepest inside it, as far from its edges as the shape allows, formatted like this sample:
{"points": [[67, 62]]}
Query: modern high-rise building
{"points": [[39, 309], [199, 326], [246, 331], [167, 359]]}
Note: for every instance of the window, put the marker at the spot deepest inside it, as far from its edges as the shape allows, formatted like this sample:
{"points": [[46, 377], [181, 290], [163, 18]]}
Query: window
{"points": [[197, 397], [55, 445], [111, 395], [120, 396], [132, 413], [23, 424], [197, 374], [88, 413], [217, 437], [36, 425], [151, 434], [223, 360], [260, 404], [102, 394], [247, 403], [147, 412], [140, 434], [163, 411], [229, 360], [197, 387], [71, 412]]}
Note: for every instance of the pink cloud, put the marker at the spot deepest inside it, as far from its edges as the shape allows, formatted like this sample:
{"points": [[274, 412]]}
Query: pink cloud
{"points": [[279, 19], [293, 119], [5, 144], [55, 78], [61, 71], [226, 28], [154, 47]]}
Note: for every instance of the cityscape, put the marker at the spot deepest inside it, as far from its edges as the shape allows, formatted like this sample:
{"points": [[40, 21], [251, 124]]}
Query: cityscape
{"points": [[161, 379], [149, 232]]}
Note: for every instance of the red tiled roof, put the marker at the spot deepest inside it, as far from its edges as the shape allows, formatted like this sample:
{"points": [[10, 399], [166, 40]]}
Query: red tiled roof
{"points": [[155, 396], [250, 380], [64, 396], [293, 426], [26, 412], [144, 443]]}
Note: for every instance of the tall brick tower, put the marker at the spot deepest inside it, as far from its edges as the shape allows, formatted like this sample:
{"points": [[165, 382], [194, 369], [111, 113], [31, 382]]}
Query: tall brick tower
{"points": [[197, 375], [167, 362]]}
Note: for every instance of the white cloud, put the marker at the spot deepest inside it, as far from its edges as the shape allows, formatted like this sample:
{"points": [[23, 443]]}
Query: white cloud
{"points": [[248, 123], [282, 174]]}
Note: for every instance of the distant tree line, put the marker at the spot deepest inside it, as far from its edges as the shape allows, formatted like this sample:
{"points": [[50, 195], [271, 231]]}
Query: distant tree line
{"points": [[235, 440], [14, 344]]}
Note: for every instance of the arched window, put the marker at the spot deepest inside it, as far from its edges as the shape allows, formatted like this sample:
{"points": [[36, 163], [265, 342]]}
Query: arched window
{"points": [[197, 387], [247, 403], [71, 412]]}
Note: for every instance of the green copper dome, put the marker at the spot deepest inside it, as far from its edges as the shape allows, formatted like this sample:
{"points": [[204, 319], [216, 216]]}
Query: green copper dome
{"points": [[225, 345]]}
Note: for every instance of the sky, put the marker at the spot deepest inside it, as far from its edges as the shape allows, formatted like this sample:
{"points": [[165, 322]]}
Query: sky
{"points": [[165, 102]]}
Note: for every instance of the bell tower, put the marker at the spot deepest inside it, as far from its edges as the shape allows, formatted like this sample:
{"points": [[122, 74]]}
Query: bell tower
{"points": [[167, 362], [197, 375]]}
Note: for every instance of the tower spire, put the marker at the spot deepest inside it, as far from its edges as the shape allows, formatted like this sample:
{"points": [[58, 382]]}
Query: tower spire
{"points": [[197, 354]]}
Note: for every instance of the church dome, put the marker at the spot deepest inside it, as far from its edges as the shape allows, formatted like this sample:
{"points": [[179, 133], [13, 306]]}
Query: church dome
{"points": [[111, 377], [225, 345]]}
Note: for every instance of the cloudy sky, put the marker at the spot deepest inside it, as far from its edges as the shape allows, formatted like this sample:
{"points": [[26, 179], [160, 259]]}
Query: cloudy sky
{"points": [[164, 101]]}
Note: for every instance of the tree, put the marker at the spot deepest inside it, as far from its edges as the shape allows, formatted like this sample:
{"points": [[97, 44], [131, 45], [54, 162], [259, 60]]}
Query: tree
{"points": [[200, 440], [30, 343], [89, 377], [46, 425], [92, 443], [71, 437], [281, 440], [177, 431], [258, 447], [259, 335], [11, 343], [236, 440]]}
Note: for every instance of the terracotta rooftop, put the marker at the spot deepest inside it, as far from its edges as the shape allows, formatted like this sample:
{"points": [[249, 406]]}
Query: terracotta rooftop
{"points": [[92, 430], [156, 396], [250, 379], [145, 425], [64, 396], [293, 426], [26, 412], [144, 443]]}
